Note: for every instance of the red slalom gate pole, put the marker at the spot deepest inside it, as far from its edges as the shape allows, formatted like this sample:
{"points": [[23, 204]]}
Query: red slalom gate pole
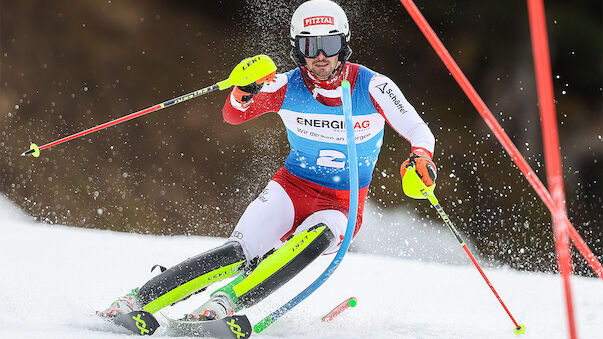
{"points": [[349, 302], [583, 247], [500, 134], [552, 153]]}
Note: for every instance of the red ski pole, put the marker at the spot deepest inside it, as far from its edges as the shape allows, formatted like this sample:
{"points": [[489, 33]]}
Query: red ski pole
{"points": [[414, 187], [259, 67], [35, 150]]}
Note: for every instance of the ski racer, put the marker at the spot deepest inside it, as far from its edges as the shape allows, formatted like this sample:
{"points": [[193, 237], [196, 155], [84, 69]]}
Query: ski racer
{"points": [[302, 212]]}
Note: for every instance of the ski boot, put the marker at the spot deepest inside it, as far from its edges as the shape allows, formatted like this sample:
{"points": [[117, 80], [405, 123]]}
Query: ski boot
{"points": [[123, 305], [219, 306], [215, 318], [128, 313]]}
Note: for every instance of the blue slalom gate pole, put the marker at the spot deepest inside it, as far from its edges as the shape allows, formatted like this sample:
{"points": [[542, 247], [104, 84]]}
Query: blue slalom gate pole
{"points": [[345, 244]]}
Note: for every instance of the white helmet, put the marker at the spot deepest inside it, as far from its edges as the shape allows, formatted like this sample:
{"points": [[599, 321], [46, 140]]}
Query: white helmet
{"points": [[319, 18]]}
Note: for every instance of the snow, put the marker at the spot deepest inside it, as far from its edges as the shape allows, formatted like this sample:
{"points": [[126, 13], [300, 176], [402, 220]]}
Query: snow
{"points": [[54, 278]]}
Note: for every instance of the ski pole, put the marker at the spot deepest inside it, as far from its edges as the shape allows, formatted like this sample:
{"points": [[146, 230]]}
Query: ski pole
{"points": [[411, 184], [246, 72]]}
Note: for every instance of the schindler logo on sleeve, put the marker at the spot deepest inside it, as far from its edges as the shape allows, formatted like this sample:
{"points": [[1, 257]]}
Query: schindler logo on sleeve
{"points": [[319, 20]]}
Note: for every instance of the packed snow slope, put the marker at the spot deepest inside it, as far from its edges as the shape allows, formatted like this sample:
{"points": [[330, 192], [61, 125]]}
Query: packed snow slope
{"points": [[54, 278]]}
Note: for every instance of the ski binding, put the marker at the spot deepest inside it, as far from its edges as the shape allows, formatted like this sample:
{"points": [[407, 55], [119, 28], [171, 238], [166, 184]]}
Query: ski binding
{"points": [[231, 327]]}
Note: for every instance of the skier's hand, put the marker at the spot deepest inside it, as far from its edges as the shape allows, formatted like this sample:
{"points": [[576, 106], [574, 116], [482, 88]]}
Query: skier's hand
{"points": [[249, 76], [244, 94], [424, 166]]}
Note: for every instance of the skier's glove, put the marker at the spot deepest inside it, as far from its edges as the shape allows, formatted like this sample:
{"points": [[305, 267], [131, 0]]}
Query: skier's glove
{"points": [[425, 168], [244, 94]]}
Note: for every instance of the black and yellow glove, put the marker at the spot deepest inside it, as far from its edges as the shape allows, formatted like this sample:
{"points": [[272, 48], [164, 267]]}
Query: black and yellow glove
{"points": [[244, 94]]}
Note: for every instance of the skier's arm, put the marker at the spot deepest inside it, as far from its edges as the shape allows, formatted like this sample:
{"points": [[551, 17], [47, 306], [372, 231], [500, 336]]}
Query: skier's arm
{"points": [[404, 119], [399, 113], [242, 105]]}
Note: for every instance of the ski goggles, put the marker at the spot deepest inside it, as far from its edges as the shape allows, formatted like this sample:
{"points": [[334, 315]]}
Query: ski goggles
{"points": [[311, 46]]}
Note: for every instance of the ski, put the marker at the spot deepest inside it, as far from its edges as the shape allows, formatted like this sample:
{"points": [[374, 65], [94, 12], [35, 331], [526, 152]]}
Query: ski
{"points": [[139, 322], [232, 327]]}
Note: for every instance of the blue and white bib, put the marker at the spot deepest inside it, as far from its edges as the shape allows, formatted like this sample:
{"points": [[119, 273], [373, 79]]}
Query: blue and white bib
{"points": [[316, 133]]}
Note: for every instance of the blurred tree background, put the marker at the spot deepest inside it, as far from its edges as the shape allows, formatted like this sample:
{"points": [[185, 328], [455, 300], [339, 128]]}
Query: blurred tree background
{"points": [[66, 66]]}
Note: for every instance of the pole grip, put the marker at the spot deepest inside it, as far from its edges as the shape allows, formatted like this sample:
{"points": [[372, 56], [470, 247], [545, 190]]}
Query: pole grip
{"points": [[432, 199]]}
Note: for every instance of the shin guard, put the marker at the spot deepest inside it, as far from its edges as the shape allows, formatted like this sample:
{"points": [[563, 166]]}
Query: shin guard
{"points": [[279, 267], [191, 276]]}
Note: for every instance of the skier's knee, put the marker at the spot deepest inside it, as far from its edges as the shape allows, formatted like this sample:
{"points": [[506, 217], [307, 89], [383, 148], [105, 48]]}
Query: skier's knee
{"points": [[334, 220], [282, 265]]}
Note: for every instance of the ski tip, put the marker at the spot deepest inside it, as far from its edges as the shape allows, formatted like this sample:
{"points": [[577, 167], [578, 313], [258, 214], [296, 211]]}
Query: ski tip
{"points": [[352, 302], [263, 324], [33, 150], [520, 330]]}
